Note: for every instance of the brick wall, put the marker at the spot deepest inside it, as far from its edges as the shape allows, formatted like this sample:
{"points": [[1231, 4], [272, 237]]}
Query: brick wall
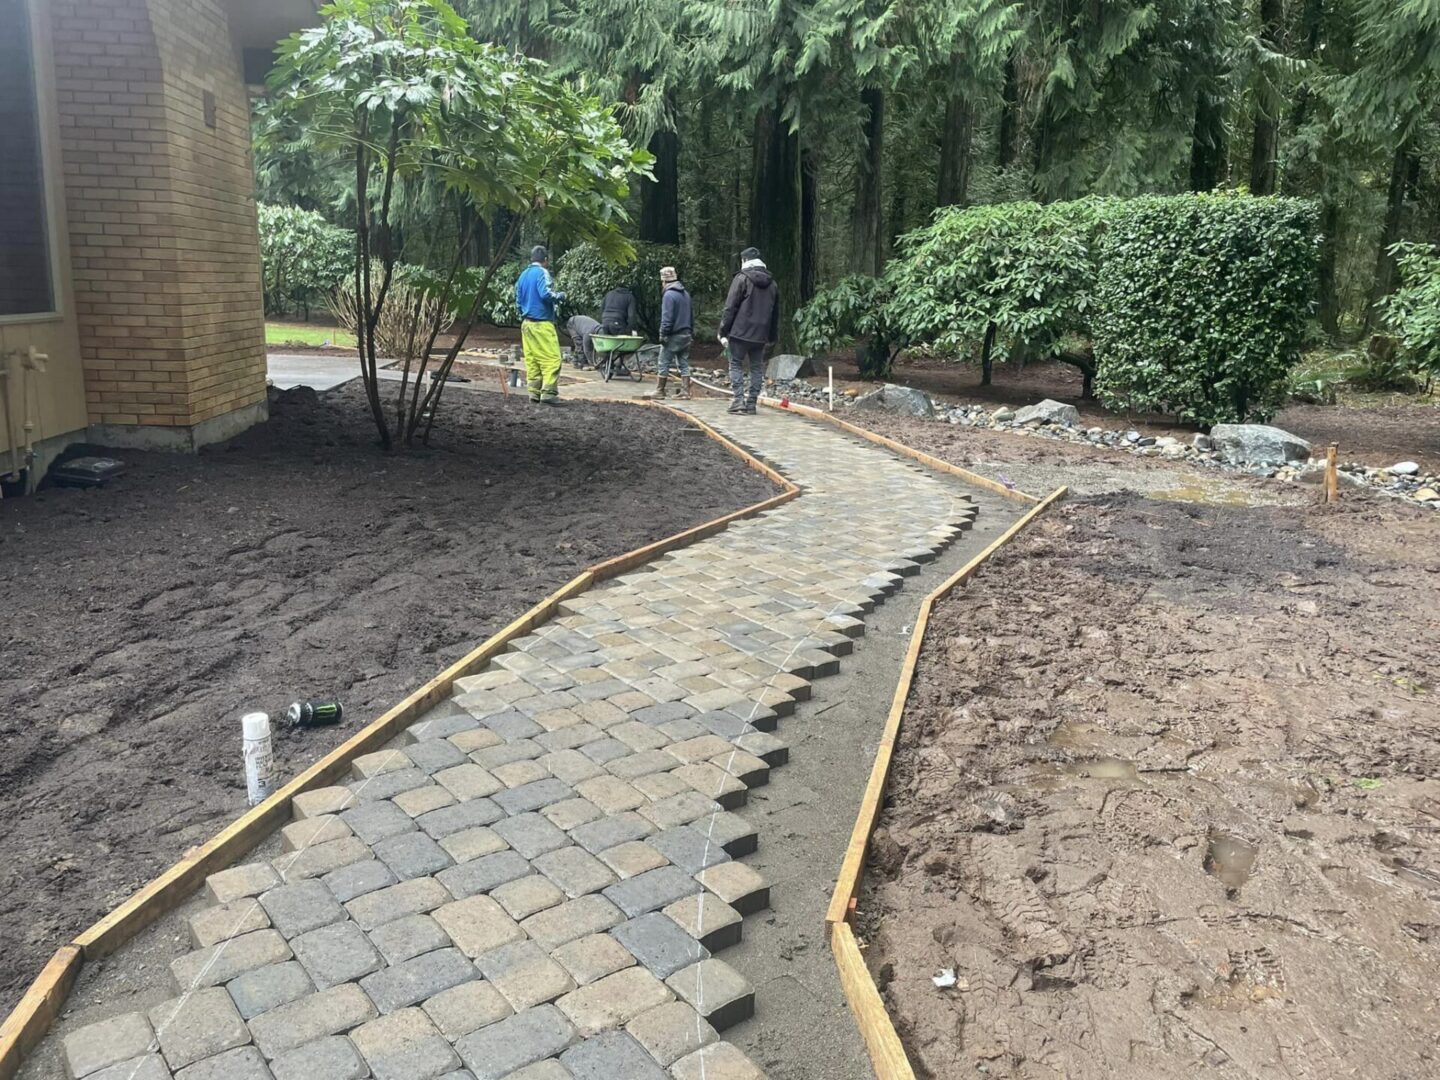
{"points": [[162, 221]]}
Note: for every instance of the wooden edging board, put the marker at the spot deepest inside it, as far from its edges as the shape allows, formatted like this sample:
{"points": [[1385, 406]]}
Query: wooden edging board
{"points": [[887, 1055], [29, 1022]]}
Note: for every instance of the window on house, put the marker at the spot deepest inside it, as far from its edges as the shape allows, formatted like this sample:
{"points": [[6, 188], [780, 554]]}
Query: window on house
{"points": [[26, 285]]}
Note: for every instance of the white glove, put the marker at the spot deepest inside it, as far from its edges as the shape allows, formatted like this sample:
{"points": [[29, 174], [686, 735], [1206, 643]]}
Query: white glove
{"points": [[724, 342]]}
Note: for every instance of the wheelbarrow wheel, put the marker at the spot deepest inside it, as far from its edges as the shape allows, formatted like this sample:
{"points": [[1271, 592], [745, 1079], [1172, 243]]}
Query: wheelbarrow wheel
{"points": [[608, 372]]}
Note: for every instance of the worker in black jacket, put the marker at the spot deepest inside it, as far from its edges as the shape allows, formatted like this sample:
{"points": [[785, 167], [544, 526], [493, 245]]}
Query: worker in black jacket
{"points": [[617, 311], [751, 321]]}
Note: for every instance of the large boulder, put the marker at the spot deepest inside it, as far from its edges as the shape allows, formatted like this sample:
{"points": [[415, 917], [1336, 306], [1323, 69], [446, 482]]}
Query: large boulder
{"points": [[1049, 412], [788, 366], [902, 400], [1258, 444]]}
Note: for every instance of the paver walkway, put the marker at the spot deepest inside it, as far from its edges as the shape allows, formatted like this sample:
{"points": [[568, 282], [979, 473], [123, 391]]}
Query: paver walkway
{"points": [[538, 879]]}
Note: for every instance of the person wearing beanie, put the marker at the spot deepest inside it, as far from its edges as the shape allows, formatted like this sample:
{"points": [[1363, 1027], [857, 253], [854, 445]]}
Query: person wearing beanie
{"points": [[677, 327], [751, 322], [536, 298]]}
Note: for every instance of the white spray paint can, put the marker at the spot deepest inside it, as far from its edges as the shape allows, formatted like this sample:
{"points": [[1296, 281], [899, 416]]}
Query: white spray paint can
{"points": [[259, 758]]}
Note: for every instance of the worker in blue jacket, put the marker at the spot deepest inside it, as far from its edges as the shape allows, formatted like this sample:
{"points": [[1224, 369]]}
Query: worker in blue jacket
{"points": [[536, 298]]}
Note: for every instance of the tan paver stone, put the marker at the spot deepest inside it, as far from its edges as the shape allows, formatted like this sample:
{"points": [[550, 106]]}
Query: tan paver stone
{"points": [[571, 812], [415, 897], [572, 919], [513, 774], [196, 1026], [747, 768], [713, 783], [671, 1031], [611, 794], [525, 896], [478, 924], [593, 957], [601, 714], [468, 781], [630, 859], [312, 1017], [326, 800], [708, 919], [311, 831], [466, 1008], [631, 701], [472, 843], [251, 879], [718, 1061], [382, 761], [107, 1043], [525, 974], [738, 885], [230, 920], [467, 742], [556, 719], [614, 1000], [661, 785], [422, 800], [638, 736], [699, 749], [224, 961], [320, 859]]}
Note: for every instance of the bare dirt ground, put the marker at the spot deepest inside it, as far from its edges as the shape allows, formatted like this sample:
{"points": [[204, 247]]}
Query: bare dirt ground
{"points": [[1168, 800], [1379, 435], [141, 620]]}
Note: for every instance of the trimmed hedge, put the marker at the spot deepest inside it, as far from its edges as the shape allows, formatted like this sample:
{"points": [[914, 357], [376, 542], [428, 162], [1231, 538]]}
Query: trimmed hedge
{"points": [[1201, 303], [1414, 310]]}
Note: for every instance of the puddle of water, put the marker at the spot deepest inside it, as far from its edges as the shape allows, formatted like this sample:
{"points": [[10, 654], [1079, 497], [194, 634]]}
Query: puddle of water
{"points": [[1105, 768], [1214, 496], [1075, 734], [1230, 859]]}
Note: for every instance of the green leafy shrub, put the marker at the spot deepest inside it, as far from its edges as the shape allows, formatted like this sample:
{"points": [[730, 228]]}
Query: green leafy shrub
{"points": [[1414, 309], [303, 256], [1201, 303], [585, 275], [860, 309]]}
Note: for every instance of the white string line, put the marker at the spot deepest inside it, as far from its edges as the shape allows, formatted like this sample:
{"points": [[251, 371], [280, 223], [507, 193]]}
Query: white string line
{"points": [[734, 749]]}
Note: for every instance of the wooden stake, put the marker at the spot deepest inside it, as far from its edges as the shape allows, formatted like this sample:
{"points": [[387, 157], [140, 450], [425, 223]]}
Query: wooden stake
{"points": [[505, 381], [1332, 479]]}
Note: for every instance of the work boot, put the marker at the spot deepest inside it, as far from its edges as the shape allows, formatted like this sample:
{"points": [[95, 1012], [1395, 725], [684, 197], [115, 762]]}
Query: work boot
{"points": [[749, 409], [736, 407], [685, 388], [659, 391]]}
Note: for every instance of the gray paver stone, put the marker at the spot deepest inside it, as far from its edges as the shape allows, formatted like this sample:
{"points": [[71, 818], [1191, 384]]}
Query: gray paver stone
{"points": [[452, 819], [331, 1058], [149, 1067], [478, 924], [570, 766], [336, 954], [422, 800], [296, 909], [466, 1008], [244, 1063], [531, 834], [268, 987], [315, 830], [511, 725], [470, 844], [717, 992], [525, 974], [575, 871], [484, 873], [360, 878], [766, 747], [328, 1012], [572, 919], [496, 1051], [609, 831], [659, 943], [610, 1056], [376, 821], [197, 1026], [593, 957], [223, 962], [688, 848], [651, 890], [386, 905], [321, 859], [411, 936], [412, 855], [432, 755], [732, 832], [240, 881], [534, 796], [718, 1061], [438, 725], [405, 1045], [326, 800], [388, 785], [671, 1031], [604, 751], [217, 924], [417, 979], [543, 1070], [110, 1041]]}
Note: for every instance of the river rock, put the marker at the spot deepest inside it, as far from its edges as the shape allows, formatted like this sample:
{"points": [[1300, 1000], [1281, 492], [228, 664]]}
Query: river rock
{"points": [[901, 400], [1048, 412], [1203, 443], [1258, 444], [1003, 416], [788, 366], [1426, 495], [1404, 468]]}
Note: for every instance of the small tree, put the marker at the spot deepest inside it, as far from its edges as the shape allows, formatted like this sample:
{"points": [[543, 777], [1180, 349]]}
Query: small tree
{"points": [[401, 89], [303, 257], [1413, 311], [859, 309]]}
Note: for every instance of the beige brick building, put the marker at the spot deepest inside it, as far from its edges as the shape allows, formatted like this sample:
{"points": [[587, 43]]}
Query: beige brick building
{"points": [[128, 248]]}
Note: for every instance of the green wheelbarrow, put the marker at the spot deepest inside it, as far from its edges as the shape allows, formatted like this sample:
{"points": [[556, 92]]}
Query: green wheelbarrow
{"points": [[610, 353]]}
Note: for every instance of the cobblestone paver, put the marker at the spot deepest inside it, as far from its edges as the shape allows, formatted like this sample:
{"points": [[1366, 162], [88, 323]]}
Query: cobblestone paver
{"points": [[535, 879]]}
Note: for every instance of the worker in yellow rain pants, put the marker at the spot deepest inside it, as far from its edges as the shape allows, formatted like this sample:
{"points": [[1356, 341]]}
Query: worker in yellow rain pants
{"points": [[536, 298]]}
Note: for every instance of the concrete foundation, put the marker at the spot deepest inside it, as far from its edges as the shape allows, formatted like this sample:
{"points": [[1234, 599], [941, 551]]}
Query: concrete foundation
{"points": [[180, 439]]}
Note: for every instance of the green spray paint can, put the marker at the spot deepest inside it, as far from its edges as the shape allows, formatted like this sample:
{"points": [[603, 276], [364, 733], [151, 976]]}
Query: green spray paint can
{"points": [[314, 713]]}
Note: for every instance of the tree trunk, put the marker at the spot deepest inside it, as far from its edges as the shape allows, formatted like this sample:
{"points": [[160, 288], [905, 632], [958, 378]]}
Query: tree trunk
{"points": [[987, 358], [1207, 144], [866, 235], [809, 223], [1401, 168], [708, 223], [952, 187], [775, 210], [898, 208], [1265, 148], [1043, 152], [1329, 303], [1009, 116], [660, 198]]}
